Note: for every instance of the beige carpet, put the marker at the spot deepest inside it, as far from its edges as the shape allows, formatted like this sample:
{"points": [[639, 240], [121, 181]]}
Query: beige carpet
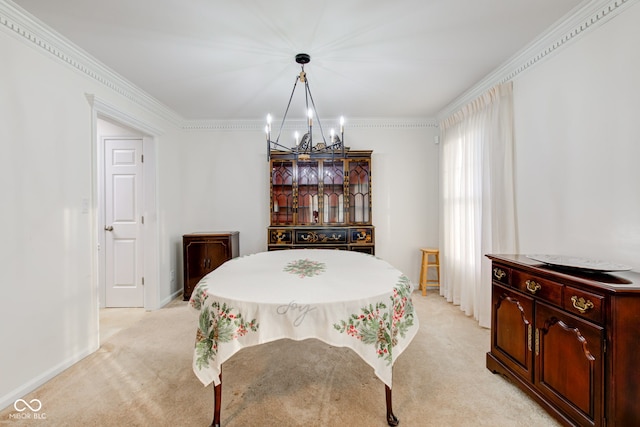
{"points": [[142, 376]]}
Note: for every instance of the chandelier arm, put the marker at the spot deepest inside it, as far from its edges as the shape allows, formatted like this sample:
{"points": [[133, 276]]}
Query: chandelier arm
{"points": [[276, 144], [313, 104], [286, 111]]}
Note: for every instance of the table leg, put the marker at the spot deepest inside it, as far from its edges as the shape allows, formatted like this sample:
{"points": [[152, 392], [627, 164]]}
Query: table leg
{"points": [[217, 394], [392, 420]]}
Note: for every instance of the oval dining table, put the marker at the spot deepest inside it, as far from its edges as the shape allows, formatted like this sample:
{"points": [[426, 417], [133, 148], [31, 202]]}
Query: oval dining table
{"points": [[343, 298]]}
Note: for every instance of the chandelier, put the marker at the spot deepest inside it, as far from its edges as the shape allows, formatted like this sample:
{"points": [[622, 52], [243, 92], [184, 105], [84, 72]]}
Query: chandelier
{"points": [[304, 147]]}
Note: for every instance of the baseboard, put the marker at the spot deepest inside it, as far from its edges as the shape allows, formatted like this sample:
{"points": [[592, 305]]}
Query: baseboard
{"points": [[10, 398], [170, 298]]}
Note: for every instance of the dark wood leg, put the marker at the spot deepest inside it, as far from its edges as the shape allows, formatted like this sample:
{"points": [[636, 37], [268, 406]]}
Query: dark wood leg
{"points": [[217, 394], [392, 420]]}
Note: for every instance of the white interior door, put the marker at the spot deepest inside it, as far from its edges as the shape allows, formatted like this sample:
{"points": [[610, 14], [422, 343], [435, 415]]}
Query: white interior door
{"points": [[123, 223]]}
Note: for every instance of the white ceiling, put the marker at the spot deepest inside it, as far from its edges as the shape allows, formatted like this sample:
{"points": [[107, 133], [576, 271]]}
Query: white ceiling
{"points": [[214, 59]]}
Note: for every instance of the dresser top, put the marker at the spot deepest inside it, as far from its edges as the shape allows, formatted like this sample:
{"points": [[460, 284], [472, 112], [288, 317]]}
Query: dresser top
{"points": [[212, 233], [618, 281]]}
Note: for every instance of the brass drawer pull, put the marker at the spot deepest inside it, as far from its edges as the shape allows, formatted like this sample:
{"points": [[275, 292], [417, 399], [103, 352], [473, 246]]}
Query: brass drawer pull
{"points": [[533, 286], [581, 304], [499, 273]]}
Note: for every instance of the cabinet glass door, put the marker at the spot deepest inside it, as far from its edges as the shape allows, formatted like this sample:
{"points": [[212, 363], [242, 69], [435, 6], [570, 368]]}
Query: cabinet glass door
{"points": [[308, 207], [359, 196], [333, 192], [282, 192]]}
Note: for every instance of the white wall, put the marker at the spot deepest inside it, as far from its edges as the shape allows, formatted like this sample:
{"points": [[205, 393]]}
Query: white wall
{"points": [[577, 121], [226, 187], [46, 309], [405, 193], [49, 302]]}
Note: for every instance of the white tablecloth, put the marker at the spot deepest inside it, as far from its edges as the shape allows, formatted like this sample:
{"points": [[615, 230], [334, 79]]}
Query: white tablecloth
{"points": [[343, 298]]}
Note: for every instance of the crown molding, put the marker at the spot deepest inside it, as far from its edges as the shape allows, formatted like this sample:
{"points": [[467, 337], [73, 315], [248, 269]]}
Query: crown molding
{"points": [[293, 124], [576, 23], [31, 31]]}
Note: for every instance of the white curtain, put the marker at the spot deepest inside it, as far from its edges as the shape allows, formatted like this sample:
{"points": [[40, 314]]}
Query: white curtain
{"points": [[477, 198]]}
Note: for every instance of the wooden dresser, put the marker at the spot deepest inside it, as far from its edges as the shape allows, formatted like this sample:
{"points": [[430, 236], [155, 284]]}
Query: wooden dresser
{"points": [[204, 252], [569, 339]]}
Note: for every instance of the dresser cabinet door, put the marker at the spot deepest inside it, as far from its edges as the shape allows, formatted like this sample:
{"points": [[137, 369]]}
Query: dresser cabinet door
{"points": [[512, 330], [204, 253], [201, 258], [195, 265], [569, 365]]}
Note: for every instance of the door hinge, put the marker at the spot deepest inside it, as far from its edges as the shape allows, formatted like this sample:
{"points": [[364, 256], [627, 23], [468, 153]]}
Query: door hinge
{"points": [[142, 280], [141, 158], [142, 219]]}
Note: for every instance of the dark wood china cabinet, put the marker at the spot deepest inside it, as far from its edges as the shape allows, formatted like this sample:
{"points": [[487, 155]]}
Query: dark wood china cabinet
{"points": [[321, 201], [568, 338]]}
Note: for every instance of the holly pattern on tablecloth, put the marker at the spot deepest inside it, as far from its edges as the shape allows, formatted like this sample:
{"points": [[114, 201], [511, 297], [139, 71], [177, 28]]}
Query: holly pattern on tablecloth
{"points": [[380, 325], [218, 323], [305, 267]]}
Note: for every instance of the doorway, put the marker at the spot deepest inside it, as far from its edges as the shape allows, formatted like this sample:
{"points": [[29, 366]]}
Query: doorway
{"points": [[125, 208], [123, 240]]}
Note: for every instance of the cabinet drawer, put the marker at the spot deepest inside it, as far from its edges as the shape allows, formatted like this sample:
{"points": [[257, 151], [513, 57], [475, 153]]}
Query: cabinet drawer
{"points": [[501, 274], [532, 285], [584, 304], [280, 236], [361, 236], [365, 249], [321, 236]]}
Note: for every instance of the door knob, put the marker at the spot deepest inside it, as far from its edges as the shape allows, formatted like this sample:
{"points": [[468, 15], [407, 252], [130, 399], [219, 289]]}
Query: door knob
{"points": [[109, 228]]}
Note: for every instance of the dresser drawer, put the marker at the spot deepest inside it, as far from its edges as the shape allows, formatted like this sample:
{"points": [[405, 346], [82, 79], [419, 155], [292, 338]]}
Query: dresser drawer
{"points": [[584, 304], [501, 274], [546, 290]]}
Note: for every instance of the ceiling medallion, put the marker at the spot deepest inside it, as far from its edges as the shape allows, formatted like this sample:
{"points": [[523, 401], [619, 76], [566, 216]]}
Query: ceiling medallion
{"points": [[304, 147]]}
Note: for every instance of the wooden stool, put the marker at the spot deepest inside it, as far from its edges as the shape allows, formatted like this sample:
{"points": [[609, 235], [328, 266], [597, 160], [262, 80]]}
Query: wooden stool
{"points": [[428, 263]]}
